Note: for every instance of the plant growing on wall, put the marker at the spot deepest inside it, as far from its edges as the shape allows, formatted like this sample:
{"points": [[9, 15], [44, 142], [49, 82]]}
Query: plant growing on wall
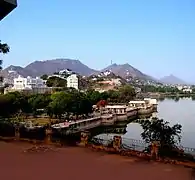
{"points": [[161, 131]]}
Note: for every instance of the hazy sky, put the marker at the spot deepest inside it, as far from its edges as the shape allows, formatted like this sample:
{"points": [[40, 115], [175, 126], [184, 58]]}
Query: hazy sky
{"points": [[155, 36]]}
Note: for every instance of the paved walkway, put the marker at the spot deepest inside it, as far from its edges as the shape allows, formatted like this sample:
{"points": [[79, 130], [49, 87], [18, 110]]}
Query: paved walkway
{"points": [[77, 163]]}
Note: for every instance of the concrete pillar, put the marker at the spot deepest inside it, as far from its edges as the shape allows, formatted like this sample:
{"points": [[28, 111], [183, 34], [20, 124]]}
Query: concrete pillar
{"points": [[155, 149], [117, 141], [84, 138], [17, 133], [48, 133]]}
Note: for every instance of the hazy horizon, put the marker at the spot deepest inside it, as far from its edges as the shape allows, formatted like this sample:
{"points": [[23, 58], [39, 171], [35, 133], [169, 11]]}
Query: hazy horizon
{"points": [[157, 38]]}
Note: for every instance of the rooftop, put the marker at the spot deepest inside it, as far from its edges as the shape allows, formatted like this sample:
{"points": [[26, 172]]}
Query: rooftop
{"points": [[137, 102], [115, 107]]}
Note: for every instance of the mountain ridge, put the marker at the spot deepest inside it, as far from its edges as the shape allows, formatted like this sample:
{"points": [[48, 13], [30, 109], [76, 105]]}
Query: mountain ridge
{"points": [[171, 79], [126, 70], [38, 68]]}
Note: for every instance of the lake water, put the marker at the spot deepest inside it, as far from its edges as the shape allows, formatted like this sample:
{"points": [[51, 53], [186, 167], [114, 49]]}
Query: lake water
{"points": [[181, 111]]}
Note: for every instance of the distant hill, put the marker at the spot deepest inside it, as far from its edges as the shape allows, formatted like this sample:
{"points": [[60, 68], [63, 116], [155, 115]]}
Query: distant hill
{"points": [[126, 70], [171, 79], [39, 68], [17, 70]]}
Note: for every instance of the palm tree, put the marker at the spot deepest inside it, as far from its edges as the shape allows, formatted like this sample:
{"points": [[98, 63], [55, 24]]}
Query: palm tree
{"points": [[4, 49]]}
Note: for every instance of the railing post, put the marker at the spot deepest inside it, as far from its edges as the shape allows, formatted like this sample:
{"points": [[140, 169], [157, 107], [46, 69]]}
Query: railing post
{"points": [[17, 132], [117, 141], [84, 138], [48, 133], [155, 149]]}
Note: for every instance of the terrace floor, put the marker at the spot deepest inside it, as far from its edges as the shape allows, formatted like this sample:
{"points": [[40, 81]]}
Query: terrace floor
{"points": [[78, 163]]}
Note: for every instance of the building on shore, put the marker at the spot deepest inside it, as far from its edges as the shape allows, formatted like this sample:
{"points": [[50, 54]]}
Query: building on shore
{"points": [[73, 81], [22, 83], [6, 6], [29, 85]]}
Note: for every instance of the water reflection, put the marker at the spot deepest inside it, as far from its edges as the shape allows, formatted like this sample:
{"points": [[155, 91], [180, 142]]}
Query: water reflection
{"points": [[161, 99], [176, 98], [174, 111]]}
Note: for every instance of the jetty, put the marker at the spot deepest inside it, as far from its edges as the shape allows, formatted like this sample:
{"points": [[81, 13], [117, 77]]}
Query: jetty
{"points": [[109, 115]]}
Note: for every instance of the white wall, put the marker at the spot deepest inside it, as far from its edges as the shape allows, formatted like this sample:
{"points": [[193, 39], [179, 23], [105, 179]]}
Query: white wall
{"points": [[73, 81], [27, 83]]}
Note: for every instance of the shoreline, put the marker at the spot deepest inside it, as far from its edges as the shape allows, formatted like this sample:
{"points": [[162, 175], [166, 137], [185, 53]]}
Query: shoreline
{"points": [[164, 95]]}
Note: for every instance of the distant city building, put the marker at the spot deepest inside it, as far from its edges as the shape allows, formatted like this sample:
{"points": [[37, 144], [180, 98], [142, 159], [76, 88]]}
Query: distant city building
{"points": [[62, 74], [22, 83], [104, 89], [73, 81], [187, 90], [179, 87], [117, 81], [113, 82], [65, 71], [10, 77]]}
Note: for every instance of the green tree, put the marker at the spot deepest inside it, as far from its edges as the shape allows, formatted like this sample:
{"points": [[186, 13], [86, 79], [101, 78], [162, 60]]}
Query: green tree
{"points": [[113, 96], [14, 102], [60, 104], [25, 106], [4, 49], [44, 77], [93, 96], [17, 103], [56, 82], [127, 93], [80, 104], [85, 106], [161, 131], [5, 106], [160, 89], [39, 102]]}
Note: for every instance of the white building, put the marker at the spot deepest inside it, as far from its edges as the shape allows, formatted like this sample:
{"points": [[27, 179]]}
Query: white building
{"points": [[21, 83], [65, 71], [116, 81], [73, 81], [187, 90]]}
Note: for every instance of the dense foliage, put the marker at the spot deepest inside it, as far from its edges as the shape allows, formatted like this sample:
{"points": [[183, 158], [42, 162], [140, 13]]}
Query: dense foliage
{"points": [[160, 89], [62, 103], [55, 82], [161, 131], [4, 49]]}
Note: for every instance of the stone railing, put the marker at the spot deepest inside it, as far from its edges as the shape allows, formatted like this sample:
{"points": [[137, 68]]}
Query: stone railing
{"points": [[131, 147], [123, 146]]}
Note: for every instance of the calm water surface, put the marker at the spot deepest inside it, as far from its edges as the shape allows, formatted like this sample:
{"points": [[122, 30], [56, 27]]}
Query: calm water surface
{"points": [[182, 112]]}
